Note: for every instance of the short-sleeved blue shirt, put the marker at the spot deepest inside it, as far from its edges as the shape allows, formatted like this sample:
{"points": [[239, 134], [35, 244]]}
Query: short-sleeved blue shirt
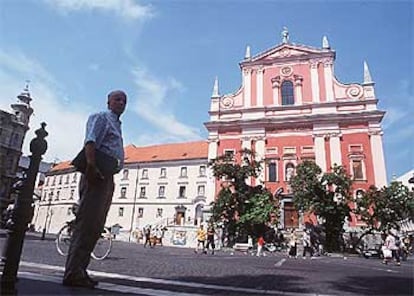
{"points": [[104, 129]]}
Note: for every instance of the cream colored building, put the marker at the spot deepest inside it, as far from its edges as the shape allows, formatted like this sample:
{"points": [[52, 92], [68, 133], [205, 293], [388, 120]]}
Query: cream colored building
{"points": [[168, 185]]}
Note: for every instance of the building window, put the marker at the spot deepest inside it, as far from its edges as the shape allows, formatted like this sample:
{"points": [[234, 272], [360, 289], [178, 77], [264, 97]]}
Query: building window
{"points": [[202, 170], [181, 192], [54, 181], [47, 181], [125, 173], [229, 154], [72, 192], [140, 212], [75, 177], [57, 195], [163, 173], [142, 192], [67, 179], [289, 171], [183, 172], [50, 196], [357, 169], [69, 211], [60, 180], [201, 190], [144, 174], [161, 191], [287, 93], [123, 192], [272, 172], [159, 213], [121, 212], [45, 196]]}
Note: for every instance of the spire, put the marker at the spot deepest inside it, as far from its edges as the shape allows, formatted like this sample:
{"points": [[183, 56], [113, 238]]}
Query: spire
{"points": [[216, 89], [285, 35], [325, 43], [25, 94], [247, 55], [367, 74], [22, 109]]}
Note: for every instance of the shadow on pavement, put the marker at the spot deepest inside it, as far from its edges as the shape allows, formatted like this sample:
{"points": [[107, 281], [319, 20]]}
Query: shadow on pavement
{"points": [[385, 285], [282, 283]]}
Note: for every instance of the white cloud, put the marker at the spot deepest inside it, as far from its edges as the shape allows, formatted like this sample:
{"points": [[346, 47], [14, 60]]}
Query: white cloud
{"points": [[128, 9], [394, 115], [153, 106], [65, 123]]}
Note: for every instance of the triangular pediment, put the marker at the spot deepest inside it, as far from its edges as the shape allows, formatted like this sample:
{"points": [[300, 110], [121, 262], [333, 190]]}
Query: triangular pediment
{"points": [[286, 50]]}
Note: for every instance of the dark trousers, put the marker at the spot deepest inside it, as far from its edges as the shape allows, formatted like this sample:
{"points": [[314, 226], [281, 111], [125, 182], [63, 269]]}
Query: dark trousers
{"points": [[307, 249], [210, 242], [95, 201], [396, 255]]}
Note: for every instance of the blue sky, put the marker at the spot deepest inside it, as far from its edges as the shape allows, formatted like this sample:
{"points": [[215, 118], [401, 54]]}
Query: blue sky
{"points": [[165, 54]]}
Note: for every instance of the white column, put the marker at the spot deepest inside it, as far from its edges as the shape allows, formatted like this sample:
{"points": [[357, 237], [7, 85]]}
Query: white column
{"points": [[314, 81], [247, 87], [275, 88], [259, 87], [298, 90], [212, 148], [327, 71], [260, 156], [378, 160], [320, 153], [335, 147]]}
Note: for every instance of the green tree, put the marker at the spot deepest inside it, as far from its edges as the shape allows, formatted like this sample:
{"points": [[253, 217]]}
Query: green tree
{"points": [[326, 195], [383, 209], [243, 209]]}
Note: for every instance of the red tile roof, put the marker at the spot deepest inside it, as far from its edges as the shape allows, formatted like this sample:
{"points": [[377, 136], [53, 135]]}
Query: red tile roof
{"points": [[175, 151], [162, 152]]}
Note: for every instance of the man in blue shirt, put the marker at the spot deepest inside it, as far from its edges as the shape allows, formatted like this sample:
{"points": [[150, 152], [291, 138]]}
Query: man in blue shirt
{"points": [[103, 133]]}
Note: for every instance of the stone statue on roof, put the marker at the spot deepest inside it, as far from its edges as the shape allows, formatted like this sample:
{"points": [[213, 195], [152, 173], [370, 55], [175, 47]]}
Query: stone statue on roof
{"points": [[285, 35]]}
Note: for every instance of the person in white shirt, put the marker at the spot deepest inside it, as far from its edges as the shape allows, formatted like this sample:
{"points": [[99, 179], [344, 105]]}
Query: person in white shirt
{"points": [[390, 245]]}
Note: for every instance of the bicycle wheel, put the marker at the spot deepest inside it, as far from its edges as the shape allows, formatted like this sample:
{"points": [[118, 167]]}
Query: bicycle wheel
{"points": [[103, 245], [63, 239]]}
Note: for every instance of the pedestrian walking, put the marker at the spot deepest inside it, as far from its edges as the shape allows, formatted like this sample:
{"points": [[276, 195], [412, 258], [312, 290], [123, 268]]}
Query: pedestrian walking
{"points": [[390, 249], [293, 244], [201, 239], [307, 246], [101, 158], [260, 244], [158, 235], [210, 239], [147, 235]]}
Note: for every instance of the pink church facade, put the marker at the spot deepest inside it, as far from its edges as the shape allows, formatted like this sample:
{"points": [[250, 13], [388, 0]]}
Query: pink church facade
{"points": [[291, 107]]}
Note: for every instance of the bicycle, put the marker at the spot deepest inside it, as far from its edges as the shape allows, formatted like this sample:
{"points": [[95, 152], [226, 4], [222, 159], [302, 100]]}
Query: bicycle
{"points": [[103, 245]]}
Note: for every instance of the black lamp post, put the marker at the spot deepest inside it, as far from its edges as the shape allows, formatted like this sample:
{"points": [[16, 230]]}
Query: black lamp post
{"points": [[22, 215]]}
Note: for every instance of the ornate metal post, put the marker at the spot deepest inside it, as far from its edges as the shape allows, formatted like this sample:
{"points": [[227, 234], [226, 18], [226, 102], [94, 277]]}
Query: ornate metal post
{"points": [[22, 215]]}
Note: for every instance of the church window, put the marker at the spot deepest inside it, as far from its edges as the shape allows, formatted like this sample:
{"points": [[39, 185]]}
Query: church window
{"points": [[272, 170], [287, 93]]}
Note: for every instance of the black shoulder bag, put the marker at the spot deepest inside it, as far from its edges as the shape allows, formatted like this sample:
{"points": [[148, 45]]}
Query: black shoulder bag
{"points": [[106, 164]]}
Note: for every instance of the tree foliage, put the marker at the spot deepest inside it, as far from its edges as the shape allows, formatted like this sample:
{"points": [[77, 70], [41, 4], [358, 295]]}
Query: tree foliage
{"points": [[326, 195], [243, 209], [383, 209]]}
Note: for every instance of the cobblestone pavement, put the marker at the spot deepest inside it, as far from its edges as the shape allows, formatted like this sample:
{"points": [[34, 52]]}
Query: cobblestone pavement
{"points": [[132, 269]]}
